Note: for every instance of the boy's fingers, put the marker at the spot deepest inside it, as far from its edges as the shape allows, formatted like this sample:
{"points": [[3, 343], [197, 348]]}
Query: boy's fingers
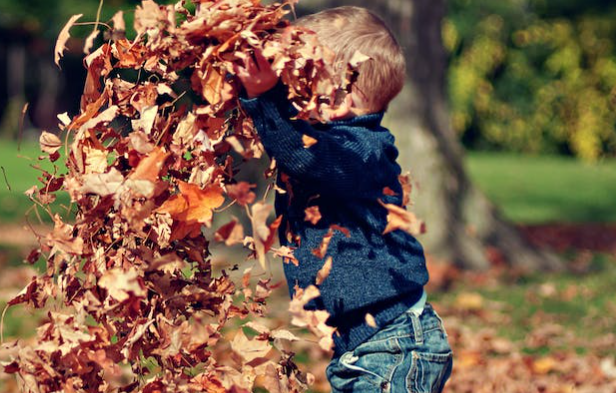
{"points": [[262, 62]]}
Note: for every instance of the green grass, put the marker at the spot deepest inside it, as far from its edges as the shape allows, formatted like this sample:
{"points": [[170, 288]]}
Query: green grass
{"points": [[17, 174], [540, 189]]}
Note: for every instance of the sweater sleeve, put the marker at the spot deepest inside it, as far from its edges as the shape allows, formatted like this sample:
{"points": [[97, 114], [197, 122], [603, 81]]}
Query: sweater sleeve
{"points": [[347, 159]]}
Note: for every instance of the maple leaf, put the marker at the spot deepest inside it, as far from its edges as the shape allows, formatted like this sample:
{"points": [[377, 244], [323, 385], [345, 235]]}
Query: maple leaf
{"points": [[193, 204], [63, 38]]}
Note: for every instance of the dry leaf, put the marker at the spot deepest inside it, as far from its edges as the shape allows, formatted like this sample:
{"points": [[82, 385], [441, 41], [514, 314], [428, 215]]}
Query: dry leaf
{"points": [[313, 215], [324, 271], [49, 142], [370, 320], [63, 38], [400, 218], [308, 141]]}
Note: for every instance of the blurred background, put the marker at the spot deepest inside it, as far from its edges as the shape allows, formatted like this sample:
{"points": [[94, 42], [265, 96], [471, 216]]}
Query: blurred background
{"points": [[508, 127]]}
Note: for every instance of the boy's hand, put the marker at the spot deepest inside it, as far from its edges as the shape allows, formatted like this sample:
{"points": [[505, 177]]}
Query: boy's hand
{"points": [[256, 76]]}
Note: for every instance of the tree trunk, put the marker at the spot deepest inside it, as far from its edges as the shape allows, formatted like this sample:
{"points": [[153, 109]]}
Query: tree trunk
{"points": [[463, 226]]}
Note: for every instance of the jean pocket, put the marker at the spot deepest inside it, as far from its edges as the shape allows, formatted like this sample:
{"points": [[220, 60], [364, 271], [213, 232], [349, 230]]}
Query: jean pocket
{"points": [[429, 372], [371, 365]]}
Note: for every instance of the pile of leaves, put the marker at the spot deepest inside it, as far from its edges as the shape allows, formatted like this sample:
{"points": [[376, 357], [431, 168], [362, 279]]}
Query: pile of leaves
{"points": [[132, 301]]}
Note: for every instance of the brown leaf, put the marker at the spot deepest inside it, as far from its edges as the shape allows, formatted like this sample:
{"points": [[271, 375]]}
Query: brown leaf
{"points": [[313, 215], [193, 204], [63, 38], [231, 233], [249, 350], [122, 284], [241, 192]]}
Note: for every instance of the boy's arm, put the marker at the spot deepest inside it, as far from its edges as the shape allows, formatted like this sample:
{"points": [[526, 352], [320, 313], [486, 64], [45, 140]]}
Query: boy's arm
{"points": [[349, 161]]}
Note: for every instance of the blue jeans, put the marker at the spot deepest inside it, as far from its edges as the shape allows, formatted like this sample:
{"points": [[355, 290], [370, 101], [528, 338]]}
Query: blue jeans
{"points": [[411, 354]]}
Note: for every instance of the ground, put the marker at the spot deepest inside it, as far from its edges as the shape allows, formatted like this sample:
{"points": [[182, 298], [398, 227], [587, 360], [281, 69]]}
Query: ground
{"points": [[510, 332]]}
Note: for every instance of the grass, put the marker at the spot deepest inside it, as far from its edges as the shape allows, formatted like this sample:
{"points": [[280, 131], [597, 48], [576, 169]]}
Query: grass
{"points": [[18, 175], [541, 189], [582, 304]]}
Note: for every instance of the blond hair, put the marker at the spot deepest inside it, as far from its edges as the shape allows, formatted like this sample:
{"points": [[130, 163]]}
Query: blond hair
{"points": [[347, 30]]}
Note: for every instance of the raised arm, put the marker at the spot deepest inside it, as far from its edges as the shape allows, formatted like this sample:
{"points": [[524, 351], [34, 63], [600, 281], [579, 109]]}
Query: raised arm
{"points": [[354, 157]]}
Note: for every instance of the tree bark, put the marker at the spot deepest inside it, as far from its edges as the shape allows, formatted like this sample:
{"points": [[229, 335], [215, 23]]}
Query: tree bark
{"points": [[463, 226]]}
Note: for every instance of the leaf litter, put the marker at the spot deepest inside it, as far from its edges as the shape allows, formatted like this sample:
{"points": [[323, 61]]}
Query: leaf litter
{"points": [[131, 299]]}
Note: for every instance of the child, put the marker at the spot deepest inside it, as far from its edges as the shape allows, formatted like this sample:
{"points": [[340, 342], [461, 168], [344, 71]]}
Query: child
{"points": [[344, 174]]}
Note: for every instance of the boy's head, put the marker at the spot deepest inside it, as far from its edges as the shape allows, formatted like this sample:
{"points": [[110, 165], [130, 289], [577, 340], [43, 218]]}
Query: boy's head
{"points": [[346, 30]]}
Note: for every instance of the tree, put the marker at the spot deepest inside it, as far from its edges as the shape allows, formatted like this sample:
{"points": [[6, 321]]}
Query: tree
{"points": [[462, 224]]}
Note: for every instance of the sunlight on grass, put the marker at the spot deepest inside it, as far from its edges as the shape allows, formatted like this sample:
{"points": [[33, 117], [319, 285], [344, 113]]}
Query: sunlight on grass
{"points": [[539, 189]]}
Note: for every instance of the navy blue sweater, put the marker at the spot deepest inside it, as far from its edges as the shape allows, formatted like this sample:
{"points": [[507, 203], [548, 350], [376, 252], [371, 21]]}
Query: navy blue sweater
{"points": [[344, 173]]}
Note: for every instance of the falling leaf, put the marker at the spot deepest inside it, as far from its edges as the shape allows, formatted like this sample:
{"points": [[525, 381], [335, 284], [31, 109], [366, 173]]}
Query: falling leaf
{"points": [[313, 215], [323, 273], [400, 218], [469, 301], [193, 204], [90, 41], [122, 284], [49, 142], [241, 192], [149, 168], [249, 350], [63, 38], [103, 184], [230, 233], [308, 141], [370, 320]]}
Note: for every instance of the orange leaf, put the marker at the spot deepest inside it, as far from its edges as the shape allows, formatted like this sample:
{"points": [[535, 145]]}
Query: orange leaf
{"points": [[308, 141], [175, 206], [201, 203], [150, 166], [400, 218]]}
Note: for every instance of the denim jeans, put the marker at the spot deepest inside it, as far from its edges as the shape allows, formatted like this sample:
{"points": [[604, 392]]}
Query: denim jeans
{"points": [[411, 354]]}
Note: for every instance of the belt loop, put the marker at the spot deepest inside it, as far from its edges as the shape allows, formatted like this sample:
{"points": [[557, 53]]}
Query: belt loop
{"points": [[417, 330]]}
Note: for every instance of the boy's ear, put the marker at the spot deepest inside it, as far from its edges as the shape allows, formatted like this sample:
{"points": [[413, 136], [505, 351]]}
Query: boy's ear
{"points": [[343, 110]]}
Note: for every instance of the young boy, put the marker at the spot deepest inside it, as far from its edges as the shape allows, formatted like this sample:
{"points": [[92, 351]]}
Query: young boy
{"points": [[345, 173]]}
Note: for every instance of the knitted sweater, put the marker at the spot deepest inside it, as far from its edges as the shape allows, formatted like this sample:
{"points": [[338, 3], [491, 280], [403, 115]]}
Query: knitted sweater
{"points": [[344, 173]]}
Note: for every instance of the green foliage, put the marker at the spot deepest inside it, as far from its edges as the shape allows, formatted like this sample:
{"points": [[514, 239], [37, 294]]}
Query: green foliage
{"points": [[524, 77]]}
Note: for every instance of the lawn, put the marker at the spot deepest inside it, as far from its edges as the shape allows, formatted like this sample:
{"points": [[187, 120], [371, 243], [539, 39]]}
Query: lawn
{"points": [[542, 189]]}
